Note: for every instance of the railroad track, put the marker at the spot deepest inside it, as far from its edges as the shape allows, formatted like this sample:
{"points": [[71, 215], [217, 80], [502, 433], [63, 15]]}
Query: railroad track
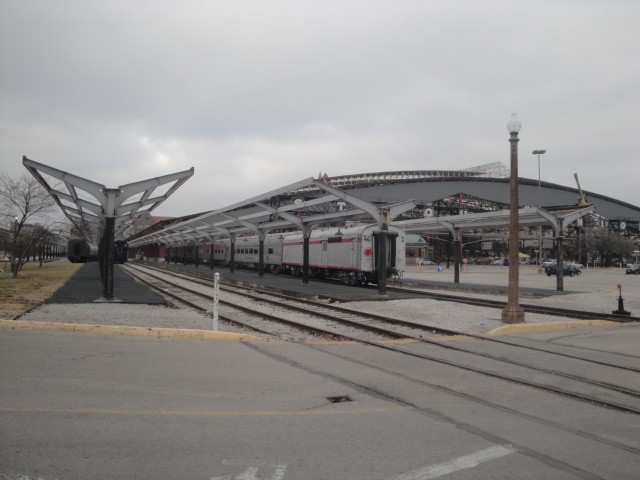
{"points": [[254, 312], [581, 377]]}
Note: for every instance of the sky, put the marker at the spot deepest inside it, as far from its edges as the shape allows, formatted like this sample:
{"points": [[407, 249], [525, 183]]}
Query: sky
{"points": [[259, 94]]}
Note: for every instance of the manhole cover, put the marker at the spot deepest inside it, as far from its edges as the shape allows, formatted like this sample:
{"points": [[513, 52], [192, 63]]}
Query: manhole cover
{"points": [[339, 399]]}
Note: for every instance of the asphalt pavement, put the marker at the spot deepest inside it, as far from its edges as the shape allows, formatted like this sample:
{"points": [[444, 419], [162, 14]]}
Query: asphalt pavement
{"points": [[92, 406], [111, 407]]}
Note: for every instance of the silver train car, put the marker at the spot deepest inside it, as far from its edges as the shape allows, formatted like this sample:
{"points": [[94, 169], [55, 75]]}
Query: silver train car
{"points": [[80, 251], [348, 254]]}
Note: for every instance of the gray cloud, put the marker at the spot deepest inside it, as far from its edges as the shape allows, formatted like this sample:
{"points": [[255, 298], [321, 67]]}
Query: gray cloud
{"points": [[257, 94]]}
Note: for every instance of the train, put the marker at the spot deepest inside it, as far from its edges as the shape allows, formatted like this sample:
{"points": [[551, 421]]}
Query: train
{"points": [[81, 251], [348, 254], [120, 251]]}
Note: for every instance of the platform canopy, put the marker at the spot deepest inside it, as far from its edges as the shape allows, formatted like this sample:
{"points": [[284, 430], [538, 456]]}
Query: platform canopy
{"points": [[557, 218], [86, 202], [301, 205]]}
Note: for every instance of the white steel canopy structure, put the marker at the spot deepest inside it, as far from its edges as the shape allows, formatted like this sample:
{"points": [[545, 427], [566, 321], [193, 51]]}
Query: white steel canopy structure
{"points": [[310, 202], [109, 202], [301, 205], [558, 219], [109, 210]]}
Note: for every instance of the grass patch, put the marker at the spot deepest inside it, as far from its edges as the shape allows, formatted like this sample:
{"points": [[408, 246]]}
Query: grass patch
{"points": [[33, 286]]}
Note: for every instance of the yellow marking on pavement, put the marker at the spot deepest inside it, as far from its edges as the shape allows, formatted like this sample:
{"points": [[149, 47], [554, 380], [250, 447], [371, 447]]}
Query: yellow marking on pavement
{"points": [[550, 327], [125, 330]]}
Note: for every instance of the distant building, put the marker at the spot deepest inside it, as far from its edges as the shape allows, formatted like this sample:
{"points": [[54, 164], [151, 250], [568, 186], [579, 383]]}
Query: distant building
{"points": [[142, 223], [417, 249]]}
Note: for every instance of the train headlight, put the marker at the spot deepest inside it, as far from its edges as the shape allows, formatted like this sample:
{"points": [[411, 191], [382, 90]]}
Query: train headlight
{"points": [[368, 252]]}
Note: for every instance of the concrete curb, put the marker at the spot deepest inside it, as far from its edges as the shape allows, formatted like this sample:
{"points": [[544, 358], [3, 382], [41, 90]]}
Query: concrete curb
{"points": [[550, 327], [124, 330]]}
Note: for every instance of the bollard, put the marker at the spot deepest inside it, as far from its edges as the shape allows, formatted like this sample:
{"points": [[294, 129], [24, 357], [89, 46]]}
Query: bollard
{"points": [[216, 293], [621, 310]]}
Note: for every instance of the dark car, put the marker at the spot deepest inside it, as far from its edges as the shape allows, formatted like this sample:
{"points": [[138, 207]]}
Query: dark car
{"points": [[567, 270], [635, 268]]}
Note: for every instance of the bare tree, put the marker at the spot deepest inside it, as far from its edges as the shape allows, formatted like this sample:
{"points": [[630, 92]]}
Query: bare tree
{"points": [[603, 244], [26, 210]]}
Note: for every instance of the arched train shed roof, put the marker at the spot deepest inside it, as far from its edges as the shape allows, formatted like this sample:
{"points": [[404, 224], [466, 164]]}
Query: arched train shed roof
{"points": [[429, 190]]}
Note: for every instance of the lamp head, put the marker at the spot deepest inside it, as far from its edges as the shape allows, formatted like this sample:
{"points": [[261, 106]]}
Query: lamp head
{"points": [[513, 125], [539, 152]]}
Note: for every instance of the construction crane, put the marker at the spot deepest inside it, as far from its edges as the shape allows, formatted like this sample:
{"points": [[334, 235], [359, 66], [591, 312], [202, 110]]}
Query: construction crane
{"points": [[582, 199]]}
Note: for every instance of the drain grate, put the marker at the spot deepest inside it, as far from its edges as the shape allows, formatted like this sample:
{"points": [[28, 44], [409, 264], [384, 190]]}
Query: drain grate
{"points": [[340, 399]]}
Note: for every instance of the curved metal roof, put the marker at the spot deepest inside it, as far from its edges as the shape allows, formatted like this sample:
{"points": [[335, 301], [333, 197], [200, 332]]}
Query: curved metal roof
{"points": [[427, 191]]}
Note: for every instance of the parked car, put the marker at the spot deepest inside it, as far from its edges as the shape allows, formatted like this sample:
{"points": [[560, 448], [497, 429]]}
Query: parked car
{"points": [[425, 262], [501, 261], [568, 270], [483, 261], [634, 268]]}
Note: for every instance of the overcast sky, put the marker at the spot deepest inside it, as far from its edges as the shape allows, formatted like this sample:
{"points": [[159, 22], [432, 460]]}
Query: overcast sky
{"points": [[260, 94]]}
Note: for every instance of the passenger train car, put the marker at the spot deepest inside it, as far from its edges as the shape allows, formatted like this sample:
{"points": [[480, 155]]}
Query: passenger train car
{"points": [[348, 253], [80, 251]]}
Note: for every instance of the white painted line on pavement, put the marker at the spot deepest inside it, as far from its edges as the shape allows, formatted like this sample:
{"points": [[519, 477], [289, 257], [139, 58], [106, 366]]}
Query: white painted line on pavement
{"points": [[460, 463]]}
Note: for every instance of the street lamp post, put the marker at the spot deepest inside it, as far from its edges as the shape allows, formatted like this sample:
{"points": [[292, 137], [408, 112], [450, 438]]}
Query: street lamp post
{"points": [[512, 312], [538, 153]]}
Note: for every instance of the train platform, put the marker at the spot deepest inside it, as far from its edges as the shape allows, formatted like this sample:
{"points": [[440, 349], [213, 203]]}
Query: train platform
{"points": [[85, 287], [432, 279], [80, 300], [597, 288]]}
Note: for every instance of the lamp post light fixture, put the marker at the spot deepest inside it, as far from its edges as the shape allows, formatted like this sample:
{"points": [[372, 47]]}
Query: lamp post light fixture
{"points": [[512, 312], [538, 153]]}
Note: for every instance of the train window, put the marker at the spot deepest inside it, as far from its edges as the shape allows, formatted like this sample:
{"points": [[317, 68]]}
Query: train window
{"points": [[270, 251], [324, 246]]}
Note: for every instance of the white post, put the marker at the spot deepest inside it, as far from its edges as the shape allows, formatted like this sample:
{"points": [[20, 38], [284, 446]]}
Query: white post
{"points": [[216, 292]]}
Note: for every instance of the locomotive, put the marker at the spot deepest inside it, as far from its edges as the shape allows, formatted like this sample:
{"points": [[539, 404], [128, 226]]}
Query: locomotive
{"points": [[120, 251], [348, 254]]}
